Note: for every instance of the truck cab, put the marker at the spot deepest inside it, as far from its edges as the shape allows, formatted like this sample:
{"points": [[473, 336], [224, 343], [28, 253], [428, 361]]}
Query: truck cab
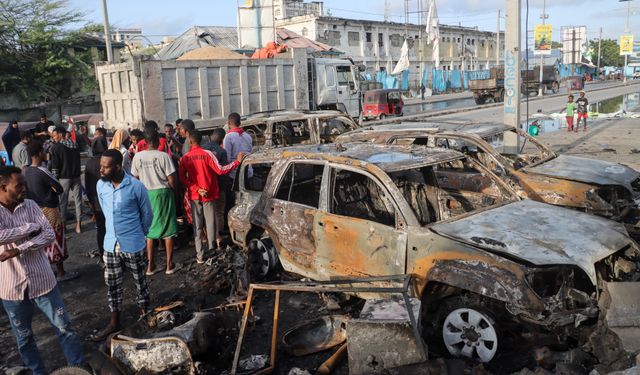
{"points": [[333, 84]]}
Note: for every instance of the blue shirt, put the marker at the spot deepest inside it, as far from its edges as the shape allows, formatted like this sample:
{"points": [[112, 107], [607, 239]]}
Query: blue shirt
{"points": [[127, 212]]}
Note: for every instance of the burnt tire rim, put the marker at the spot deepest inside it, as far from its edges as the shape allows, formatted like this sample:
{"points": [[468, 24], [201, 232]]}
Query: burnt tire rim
{"points": [[260, 258], [471, 334]]}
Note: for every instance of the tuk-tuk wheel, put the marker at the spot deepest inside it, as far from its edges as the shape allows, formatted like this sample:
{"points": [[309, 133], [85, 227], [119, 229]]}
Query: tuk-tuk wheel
{"points": [[382, 116]]}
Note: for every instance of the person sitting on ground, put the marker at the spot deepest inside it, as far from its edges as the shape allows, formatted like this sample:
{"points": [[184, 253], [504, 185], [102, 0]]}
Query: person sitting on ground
{"points": [[27, 278], [156, 171]]}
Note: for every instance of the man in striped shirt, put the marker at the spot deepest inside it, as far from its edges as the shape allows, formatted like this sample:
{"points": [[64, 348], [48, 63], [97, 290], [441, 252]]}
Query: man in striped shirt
{"points": [[26, 278]]}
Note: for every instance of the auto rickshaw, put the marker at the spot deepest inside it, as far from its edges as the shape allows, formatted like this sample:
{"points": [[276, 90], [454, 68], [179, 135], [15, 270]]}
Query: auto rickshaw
{"points": [[382, 103]]}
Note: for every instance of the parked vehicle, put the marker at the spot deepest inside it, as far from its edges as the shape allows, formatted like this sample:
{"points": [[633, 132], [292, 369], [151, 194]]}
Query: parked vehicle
{"points": [[382, 103], [90, 120], [358, 210], [607, 189], [550, 79], [287, 128], [206, 91]]}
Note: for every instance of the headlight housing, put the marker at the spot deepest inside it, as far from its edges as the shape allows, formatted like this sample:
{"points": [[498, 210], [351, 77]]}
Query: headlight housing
{"points": [[566, 287]]}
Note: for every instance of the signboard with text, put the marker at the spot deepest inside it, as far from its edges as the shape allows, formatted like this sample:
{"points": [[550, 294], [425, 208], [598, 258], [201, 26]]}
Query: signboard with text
{"points": [[542, 39], [626, 45]]}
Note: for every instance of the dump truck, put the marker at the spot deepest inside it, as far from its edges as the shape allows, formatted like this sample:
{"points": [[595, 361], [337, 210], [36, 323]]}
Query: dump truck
{"points": [[489, 83], [206, 91]]}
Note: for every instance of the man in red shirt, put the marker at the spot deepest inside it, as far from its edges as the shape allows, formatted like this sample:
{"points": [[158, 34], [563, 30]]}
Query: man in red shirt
{"points": [[142, 144], [199, 170]]}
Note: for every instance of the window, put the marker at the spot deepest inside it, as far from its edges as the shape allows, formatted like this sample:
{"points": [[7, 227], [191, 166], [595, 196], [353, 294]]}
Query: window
{"points": [[305, 31], [368, 36], [458, 39], [396, 40], [473, 42], [380, 40], [356, 195], [258, 181], [354, 38], [301, 184], [331, 128], [287, 133], [419, 189], [330, 79], [344, 76]]}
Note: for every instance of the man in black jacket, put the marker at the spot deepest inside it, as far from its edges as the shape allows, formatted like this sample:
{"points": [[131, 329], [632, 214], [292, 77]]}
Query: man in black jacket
{"points": [[65, 165], [91, 177]]}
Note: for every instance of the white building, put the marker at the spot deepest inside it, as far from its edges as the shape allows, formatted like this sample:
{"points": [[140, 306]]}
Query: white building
{"points": [[377, 44], [292, 8], [130, 36]]}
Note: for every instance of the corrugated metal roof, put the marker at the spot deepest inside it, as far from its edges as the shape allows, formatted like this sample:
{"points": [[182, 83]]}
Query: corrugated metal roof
{"points": [[197, 37]]}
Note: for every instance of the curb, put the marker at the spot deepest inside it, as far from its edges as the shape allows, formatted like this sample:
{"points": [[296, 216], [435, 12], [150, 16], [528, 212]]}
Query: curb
{"points": [[397, 120]]}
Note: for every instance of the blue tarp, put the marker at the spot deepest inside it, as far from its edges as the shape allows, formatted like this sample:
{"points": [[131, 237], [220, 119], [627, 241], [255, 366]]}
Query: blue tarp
{"points": [[439, 81], [388, 81], [564, 71], [405, 80], [425, 77], [475, 75], [455, 79]]}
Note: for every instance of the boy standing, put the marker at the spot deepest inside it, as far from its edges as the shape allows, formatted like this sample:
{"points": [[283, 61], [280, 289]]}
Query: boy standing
{"points": [[571, 107], [583, 106]]}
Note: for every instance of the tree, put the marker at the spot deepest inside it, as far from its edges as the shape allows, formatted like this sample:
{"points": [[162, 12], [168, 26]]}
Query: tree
{"points": [[555, 45], [610, 52], [36, 58]]}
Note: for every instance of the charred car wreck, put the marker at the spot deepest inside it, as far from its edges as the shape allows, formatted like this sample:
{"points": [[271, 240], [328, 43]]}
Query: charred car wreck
{"points": [[606, 189], [476, 250]]}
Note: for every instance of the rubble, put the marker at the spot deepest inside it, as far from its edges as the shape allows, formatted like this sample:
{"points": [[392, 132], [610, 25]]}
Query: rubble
{"points": [[253, 362], [316, 335]]}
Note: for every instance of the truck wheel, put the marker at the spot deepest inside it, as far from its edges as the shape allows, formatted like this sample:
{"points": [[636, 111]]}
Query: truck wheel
{"points": [[479, 100], [262, 258], [500, 97], [465, 327]]}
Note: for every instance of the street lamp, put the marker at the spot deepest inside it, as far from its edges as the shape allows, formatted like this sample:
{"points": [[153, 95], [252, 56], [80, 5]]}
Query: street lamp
{"points": [[626, 31]]}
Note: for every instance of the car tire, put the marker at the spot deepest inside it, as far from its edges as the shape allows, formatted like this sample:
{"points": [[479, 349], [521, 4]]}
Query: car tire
{"points": [[464, 327], [262, 258]]}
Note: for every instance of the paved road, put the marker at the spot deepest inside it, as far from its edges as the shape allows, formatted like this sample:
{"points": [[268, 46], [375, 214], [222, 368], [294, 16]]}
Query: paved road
{"points": [[547, 105]]}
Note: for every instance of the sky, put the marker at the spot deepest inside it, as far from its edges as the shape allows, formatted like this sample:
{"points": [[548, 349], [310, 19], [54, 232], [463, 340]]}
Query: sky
{"points": [[159, 18]]}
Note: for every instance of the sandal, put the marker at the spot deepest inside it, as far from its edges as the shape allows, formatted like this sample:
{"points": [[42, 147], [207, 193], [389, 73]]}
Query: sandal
{"points": [[108, 330], [153, 272], [176, 267]]}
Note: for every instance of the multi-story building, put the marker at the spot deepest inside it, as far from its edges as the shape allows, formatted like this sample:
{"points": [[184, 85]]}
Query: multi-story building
{"points": [[377, 44], [292, 8], [130, 36]]}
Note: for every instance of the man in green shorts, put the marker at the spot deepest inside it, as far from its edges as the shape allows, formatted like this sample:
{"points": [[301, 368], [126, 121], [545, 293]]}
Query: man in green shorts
{"points": [[156, 171]]}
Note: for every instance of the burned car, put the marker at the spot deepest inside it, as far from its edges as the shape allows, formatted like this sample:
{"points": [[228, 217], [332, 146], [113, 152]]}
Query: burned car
{"points": [[292, 127], [603, 188], [359, 210]]}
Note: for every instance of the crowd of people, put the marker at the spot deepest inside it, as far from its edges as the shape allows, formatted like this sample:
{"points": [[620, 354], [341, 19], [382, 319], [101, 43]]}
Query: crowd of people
{"points": [[137, 185]]}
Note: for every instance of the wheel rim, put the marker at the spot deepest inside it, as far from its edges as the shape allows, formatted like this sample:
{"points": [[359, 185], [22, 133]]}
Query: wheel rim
{"points": [[467, 331], [261, 260]]}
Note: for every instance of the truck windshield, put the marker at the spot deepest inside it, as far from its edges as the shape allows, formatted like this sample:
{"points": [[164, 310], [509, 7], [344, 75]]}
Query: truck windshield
{"points": [[345, 78]]}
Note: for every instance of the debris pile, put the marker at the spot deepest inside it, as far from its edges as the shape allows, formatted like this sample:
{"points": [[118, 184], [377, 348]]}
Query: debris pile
{"points": [[226, 270]]}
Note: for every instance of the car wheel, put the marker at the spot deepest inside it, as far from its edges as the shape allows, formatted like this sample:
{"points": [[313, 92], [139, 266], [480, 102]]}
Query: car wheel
{"points": [[463, 326], [262, 258], [470, 333]]}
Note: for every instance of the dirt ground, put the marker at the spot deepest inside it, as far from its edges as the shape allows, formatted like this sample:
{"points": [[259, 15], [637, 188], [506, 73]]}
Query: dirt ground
{"points": [[85, 297]]}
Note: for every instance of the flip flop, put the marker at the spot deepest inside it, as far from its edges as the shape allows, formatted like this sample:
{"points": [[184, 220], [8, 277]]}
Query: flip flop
{"points": [[176, 267], [151, 273], [69, 275], [100, 336]]}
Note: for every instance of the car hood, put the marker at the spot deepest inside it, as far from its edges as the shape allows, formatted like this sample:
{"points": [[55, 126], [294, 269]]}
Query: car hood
{"points": [[589, 171], [540, 234]]}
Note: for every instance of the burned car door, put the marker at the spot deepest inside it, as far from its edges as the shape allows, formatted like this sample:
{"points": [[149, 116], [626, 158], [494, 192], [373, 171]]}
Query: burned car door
{"points": [[357, 235], [291, 213]]}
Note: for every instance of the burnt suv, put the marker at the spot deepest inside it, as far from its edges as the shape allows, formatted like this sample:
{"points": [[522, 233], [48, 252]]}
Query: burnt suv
{"points": [[475, 249], [603, 188]]}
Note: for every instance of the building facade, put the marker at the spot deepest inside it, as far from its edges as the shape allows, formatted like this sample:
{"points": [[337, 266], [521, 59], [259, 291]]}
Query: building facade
{"points": [[130, 37], [377, 44], [283, 9]]}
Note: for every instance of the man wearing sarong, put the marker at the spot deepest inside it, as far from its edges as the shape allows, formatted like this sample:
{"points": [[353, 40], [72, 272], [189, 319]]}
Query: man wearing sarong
{"points": [[156, 171]]}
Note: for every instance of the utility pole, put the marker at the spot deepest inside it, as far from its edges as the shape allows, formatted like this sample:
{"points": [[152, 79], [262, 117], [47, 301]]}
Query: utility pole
{"points": [[599, 49], [498, 40], [544, 17], [387, 10], [512, 77], [573, 51], [107, 33], [626, 31]]}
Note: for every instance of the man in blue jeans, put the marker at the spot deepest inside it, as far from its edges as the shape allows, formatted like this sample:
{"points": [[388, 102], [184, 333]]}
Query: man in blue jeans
{"points": [[26, 278]]}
